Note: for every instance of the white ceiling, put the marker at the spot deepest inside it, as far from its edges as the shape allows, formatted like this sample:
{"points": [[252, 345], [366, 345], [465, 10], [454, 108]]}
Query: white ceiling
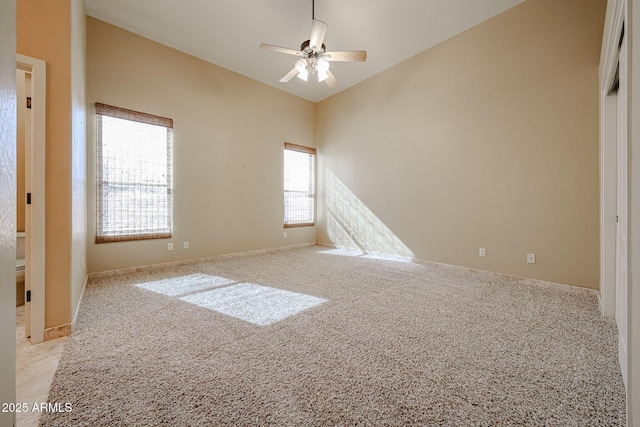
{"points": [[228, 32]]}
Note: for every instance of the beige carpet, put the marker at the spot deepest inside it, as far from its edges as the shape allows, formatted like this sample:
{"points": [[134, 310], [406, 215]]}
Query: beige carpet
{"points": [[310, 338]]}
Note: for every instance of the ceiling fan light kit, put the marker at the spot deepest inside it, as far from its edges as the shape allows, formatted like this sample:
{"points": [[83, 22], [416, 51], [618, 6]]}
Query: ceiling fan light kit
{"points": [[314, 61]]}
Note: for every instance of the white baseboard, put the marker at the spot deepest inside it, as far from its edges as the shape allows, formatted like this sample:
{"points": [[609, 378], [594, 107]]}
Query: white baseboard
{"points": [[518, 279], [75, 314], [600, 308], [153, 267]]}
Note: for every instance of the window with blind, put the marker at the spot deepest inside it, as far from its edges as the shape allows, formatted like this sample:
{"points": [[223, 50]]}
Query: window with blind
{"points": [[134, 175], [299, 185]]}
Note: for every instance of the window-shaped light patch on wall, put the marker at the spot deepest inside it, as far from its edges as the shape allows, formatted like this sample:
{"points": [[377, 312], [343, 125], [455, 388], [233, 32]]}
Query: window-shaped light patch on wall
{"points": [[134, 175], [299, 185]]}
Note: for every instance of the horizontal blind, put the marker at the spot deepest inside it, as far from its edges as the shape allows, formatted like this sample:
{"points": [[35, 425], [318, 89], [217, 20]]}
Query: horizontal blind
{"points": [[136, 116], [299, 148], [134, 175]]}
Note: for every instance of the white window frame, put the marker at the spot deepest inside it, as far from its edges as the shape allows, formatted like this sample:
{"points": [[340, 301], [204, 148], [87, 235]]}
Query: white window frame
{"points": [[308, 193]]}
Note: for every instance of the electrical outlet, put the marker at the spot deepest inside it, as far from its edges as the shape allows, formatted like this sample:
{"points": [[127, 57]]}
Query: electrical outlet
{"points": [[531, 258], [285, 234], [186, 245], [482, 252], [170, 246]]}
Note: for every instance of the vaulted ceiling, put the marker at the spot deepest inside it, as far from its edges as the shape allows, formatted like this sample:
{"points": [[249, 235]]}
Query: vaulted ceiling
{"points": [[228, 32]]}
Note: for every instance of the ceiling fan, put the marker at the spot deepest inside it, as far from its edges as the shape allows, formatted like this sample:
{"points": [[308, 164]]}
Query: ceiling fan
{"points": [[314, 58]]}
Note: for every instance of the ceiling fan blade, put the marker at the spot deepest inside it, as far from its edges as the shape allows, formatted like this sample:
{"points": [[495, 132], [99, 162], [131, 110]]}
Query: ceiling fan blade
{"points": [[346, 56], [331, 81], [318, 28], [291, 74], [280, 49]]}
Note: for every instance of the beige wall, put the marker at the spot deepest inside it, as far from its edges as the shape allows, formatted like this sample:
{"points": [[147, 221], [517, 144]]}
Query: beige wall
{"points": [[44, 32], [228, 140], [7, 207], [489, 139], [78, 153]]}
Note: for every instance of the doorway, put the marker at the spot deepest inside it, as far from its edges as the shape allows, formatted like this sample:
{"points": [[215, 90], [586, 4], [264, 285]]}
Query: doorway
{"points": [[31, 82]]}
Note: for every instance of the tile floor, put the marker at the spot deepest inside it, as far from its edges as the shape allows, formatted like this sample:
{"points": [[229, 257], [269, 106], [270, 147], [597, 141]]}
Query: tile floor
{"points": [[35, 367]]}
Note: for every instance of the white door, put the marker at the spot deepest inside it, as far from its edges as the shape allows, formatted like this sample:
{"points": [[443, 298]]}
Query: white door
{"points": [[621, 235], [23, 91], [35, 136]]}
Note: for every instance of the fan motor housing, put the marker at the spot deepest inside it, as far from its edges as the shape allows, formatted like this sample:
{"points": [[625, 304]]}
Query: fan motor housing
{"points": [[305, 45]]}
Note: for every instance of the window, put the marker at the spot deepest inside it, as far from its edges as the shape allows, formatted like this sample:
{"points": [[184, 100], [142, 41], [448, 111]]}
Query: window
{"points": [[134, 184], [299, 185]]}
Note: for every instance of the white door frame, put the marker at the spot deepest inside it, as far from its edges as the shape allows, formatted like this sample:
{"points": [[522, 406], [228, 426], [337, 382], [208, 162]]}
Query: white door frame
{"points": [[616, 15], [35, 259], [615, 180], [622, 243], [627, 12]]}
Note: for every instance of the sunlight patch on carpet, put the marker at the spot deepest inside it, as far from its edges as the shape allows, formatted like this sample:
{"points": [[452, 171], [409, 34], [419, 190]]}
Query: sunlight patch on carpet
{"points": [[388, 257], [343, 252], [260, 305], [257, 304], [371, 255], [178, 286]]}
